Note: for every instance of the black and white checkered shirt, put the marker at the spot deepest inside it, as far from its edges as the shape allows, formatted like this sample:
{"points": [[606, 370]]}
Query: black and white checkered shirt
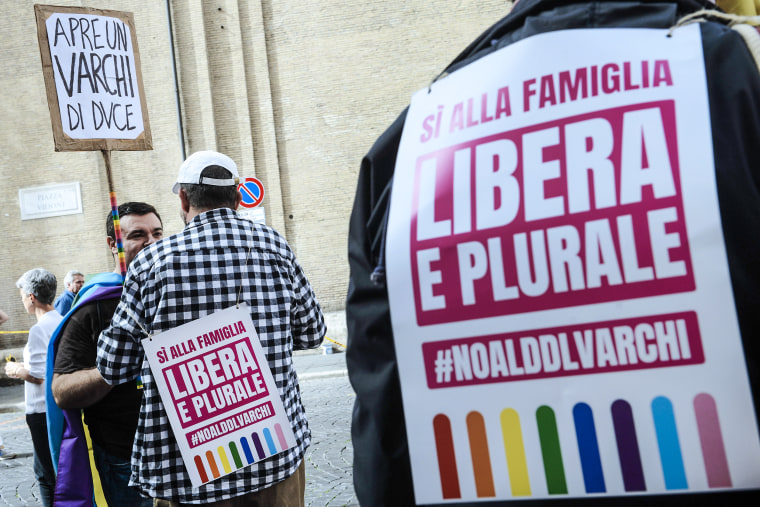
{"points": [[185, 277]]}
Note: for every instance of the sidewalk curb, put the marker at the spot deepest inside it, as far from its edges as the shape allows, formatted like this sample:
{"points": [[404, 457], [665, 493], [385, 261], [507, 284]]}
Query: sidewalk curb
{"points": [[13, 407], [323, 374]]}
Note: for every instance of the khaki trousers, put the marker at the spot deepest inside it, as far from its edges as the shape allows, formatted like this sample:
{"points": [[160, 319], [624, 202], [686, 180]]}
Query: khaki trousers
{"points": [[287, 493]]}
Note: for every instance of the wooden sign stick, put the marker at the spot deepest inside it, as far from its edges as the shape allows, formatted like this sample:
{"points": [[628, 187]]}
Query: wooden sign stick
{"points": [[115, 214]]}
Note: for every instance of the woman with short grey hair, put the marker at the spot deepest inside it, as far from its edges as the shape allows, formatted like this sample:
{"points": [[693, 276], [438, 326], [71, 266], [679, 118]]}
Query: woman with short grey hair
{"points": [[40, 283], [37, 290]]}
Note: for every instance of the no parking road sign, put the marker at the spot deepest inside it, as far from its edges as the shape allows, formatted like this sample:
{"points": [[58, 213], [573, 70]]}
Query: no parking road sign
{"points": [[252, 191]]}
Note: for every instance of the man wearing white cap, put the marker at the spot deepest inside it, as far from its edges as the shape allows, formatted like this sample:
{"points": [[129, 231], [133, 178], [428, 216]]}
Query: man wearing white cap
{"points": [[218, 259]]}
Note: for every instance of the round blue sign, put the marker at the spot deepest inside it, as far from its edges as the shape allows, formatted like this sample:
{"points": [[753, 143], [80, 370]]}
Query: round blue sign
{"points": [[252, 192]]}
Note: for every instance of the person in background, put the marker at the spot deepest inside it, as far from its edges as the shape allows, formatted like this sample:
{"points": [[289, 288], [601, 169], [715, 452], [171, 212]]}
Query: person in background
{"points": [[72, 282], [37, 290], [4, 454]]}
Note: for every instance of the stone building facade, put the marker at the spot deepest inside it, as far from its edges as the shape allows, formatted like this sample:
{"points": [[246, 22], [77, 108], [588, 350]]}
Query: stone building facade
{"points": [[294, 91]]}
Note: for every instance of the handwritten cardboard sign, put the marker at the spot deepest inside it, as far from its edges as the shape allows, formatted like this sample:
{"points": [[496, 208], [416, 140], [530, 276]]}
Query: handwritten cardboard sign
{"points": [[91, 66], [560, 296], [219, 394]]}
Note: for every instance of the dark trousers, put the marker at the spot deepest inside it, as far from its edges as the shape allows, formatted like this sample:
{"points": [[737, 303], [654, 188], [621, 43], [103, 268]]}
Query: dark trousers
{"points": [[43, 463]]}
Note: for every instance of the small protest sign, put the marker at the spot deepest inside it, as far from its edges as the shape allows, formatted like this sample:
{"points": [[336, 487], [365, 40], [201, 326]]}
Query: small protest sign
{"points": [[91, 66], [221, 399]]}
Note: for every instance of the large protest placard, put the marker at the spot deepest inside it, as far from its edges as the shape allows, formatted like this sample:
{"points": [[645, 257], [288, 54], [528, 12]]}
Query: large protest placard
{"points": [[221, 399], [562, 310], [91, 64]]}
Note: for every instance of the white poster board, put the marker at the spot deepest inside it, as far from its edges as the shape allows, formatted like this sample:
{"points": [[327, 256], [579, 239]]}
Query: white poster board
{"points": [[562, 310], [219, 394], [91, 65]]}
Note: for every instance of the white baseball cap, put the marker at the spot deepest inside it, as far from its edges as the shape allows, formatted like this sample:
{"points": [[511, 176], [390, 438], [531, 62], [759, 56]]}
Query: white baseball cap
{"points": [[191, 169]]}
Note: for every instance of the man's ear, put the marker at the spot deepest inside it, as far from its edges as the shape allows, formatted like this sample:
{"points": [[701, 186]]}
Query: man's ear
{"points": [[112, 245], [184, 202], [238, 200]]}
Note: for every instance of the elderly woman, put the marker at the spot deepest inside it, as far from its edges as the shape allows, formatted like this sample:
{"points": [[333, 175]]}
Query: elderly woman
{"points": [[37, 289]]}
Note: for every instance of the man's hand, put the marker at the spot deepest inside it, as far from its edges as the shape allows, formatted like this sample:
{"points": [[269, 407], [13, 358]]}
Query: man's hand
{"points": [[11, 369], [79, 389], [17, 370]]}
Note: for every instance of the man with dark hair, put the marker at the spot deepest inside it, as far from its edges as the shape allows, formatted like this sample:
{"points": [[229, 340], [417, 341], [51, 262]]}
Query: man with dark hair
{"points": [[112, 418], [216, 261], [134, 209], [207, 195]]}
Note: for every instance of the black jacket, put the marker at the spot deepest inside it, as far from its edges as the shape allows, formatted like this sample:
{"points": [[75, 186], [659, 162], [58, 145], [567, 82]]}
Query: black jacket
{"points": [[382, 473]]}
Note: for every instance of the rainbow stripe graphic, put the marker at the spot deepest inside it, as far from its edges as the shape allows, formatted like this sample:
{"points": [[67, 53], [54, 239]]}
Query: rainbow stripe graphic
{"points": [[662, 418], [240, 453]]}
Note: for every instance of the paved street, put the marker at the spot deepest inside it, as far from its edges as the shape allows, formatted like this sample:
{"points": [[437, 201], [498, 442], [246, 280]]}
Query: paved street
{"points": [[327, 396]]}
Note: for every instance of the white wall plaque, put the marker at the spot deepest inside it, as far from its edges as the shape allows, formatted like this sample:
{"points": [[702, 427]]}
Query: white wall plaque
{"points": [[50, 201]]}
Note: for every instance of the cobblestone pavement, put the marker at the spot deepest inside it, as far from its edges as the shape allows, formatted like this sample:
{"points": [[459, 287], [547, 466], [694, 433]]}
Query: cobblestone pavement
{"points": [[329, 459], [327, 396], [17, 483]]}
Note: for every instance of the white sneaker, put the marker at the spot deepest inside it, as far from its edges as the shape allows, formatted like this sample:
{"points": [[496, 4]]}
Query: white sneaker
{"points": [[6, 455]]}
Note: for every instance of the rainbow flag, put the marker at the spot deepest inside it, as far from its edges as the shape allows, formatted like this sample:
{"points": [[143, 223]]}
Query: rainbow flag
{"points": [[66, 433]]}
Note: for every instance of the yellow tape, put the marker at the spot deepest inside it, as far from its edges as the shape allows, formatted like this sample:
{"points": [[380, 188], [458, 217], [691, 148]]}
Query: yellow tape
{"points": [[336, 343], [14, 332]]}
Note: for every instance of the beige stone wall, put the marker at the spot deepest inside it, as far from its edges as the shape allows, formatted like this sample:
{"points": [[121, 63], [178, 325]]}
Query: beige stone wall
{"points": [[342, 71], [28, 159], [295, 91]]}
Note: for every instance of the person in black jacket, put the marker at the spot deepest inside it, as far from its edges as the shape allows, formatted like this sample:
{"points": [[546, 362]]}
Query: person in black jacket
{"points": [[382, 471]]}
